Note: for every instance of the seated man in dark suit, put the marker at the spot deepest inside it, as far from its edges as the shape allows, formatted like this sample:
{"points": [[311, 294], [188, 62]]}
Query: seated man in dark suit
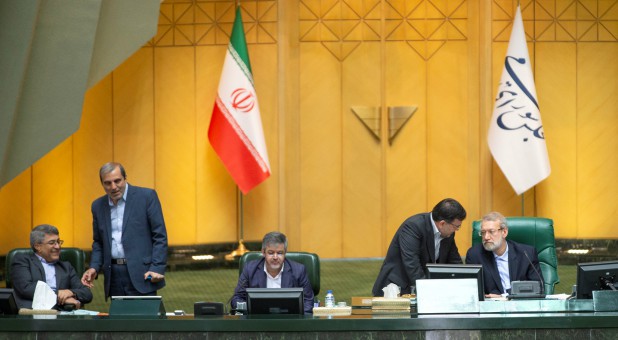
{"points": [[503, 260], [274, 271], [45, 265]]}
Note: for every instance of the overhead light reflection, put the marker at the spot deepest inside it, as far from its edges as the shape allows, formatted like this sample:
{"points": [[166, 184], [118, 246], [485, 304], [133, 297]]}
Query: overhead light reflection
{"points": [[578, 251], [202, 257]]}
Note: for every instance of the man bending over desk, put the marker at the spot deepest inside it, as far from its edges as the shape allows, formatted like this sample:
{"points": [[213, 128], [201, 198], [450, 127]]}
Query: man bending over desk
{"points": [[503, 260], [274, 271]]}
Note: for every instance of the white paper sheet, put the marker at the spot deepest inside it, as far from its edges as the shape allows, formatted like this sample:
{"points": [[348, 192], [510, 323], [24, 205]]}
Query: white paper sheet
{"points": [[44, 296]]}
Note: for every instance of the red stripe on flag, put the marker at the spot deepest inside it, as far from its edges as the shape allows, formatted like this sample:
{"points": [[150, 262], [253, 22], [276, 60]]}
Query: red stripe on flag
{"points": [[235, 155]]}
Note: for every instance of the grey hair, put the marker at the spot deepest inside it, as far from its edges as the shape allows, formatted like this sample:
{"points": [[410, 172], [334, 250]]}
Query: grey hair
{"points": [[37, 235], [109, 167], [496, 216], [274, 237]]}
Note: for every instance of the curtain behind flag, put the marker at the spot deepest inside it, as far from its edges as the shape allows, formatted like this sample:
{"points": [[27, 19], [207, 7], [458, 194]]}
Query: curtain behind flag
{"points": [[235, 130], [516, 138]]}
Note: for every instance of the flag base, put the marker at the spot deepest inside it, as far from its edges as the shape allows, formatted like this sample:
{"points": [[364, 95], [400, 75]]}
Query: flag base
{"points": [[237, 252]]}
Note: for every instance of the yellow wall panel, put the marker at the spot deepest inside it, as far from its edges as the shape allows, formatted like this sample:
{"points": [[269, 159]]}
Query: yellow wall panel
{"points": [[16, 212], [406, 163], [133, 118], [52, 190], [92, 147], [174, 88], [320, 151], [447, 130], [447, 123], [361, 155], [597, 140], [556, 80], [216, 191]]}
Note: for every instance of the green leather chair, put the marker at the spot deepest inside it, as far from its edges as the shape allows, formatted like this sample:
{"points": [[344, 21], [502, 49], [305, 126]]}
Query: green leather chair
{"points": [[310, 260], [537, 232], [75, 256]]}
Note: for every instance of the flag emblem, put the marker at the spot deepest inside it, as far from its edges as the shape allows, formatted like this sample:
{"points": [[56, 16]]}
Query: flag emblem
{"points": [[243, 100]]}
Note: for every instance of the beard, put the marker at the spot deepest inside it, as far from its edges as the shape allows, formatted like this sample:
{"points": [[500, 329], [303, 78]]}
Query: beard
{"points": [[491, 246]]}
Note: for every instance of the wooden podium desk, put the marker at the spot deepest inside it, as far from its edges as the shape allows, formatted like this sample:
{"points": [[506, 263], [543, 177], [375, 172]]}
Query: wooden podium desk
{"points": [[573, 325]]}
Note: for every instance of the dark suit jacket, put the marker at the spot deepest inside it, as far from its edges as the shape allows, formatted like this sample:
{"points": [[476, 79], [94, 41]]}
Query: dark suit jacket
{"points": [[253, 276], [144, 238], [410, 250], [27, 269], [519, 266]]}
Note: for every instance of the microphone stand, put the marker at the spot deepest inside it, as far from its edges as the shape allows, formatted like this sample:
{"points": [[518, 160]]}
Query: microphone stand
{"points": [[537, 274]]}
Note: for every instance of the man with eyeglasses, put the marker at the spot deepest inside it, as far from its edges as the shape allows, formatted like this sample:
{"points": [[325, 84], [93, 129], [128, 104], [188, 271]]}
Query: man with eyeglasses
{"points": [[421, 239], [45, 265], [129, 237], [503, 261], [274, 271]]}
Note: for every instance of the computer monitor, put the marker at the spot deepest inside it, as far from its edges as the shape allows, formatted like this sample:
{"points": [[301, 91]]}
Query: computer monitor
{"points": [[8, 306], [458, 271], [137, 305], [595, 276], [275, 301]]}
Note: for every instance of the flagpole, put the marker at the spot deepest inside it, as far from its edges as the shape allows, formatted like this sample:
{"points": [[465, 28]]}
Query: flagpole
{"points": [[522, 205], [240, 223]]}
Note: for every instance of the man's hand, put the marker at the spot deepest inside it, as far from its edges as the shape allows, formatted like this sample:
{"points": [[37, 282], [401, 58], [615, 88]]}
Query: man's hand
{"points": [[73, 301], [154, 277], [64, 295], [88, 277]]}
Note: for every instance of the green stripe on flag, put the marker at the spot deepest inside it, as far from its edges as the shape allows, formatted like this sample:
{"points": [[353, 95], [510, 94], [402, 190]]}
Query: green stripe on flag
{"points": [[238, 45]]}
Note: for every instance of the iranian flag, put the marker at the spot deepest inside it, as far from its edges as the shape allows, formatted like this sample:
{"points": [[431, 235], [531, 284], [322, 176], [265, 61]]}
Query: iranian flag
{"points": [[235, 131]]}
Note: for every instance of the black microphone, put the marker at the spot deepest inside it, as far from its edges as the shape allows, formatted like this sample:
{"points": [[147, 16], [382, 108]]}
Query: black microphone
{"points": [[537, 273]]}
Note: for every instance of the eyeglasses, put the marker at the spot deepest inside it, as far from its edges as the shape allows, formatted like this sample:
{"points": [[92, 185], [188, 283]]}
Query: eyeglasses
{"points": [[454, 225], [491, 232], [54, 242]]}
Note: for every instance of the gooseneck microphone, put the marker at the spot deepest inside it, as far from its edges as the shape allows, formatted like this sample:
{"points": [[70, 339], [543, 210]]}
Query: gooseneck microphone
{"points": [[537, 273]]}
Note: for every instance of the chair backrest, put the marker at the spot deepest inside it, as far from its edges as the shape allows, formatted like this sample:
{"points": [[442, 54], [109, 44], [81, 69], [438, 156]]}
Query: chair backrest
{"points": [[537, 232], [75, 256], [311, 262]]}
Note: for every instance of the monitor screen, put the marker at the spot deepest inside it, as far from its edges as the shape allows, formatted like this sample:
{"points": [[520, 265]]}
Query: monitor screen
{"points": [[275, 301], [595, 276], [8, 306], [458, 271]]}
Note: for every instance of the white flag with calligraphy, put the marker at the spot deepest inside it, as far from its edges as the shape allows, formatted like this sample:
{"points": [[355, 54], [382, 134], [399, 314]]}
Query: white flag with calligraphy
{"points": [[516, 138]]}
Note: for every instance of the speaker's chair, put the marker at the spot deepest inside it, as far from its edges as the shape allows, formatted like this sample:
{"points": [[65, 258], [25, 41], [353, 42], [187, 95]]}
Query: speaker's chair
{"points": [[311, 262], [537, 232], [75, 256]]}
